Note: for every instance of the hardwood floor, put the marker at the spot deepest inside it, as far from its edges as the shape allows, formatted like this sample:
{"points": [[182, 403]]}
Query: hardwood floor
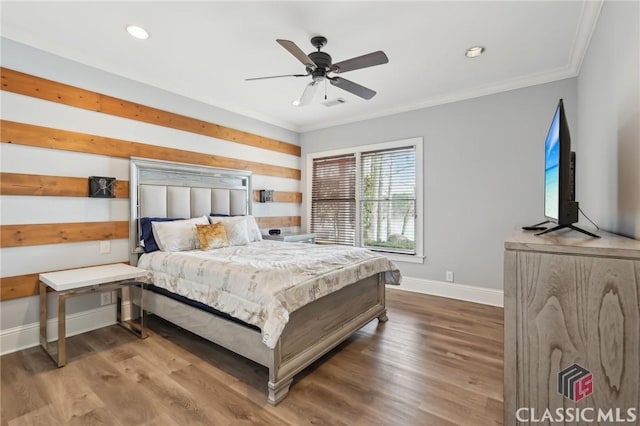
{"points": [[435, 362]]}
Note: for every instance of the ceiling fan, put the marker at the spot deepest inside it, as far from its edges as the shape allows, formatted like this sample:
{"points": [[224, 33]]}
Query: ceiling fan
{"points": [[319, 66]]}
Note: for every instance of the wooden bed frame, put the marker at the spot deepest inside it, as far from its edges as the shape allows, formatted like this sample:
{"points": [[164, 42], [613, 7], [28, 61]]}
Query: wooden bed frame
{"points": [[312, 330]]}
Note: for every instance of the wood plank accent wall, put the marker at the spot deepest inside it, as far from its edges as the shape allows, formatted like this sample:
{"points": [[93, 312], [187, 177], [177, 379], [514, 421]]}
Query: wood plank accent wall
{"points": [[51, 138], [47, 137], [29, 85], [54, 186], [55, 233]]}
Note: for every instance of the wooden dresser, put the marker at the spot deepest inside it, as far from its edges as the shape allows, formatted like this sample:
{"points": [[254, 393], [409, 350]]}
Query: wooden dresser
{"points": [[570, 299]]}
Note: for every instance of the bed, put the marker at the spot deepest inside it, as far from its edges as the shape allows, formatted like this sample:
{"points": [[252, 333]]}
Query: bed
{"points": [[281, 305]]}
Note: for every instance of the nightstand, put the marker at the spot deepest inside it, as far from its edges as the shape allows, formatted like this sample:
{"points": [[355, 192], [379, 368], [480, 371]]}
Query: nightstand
{"points": [[78, 282], [292, 238]]}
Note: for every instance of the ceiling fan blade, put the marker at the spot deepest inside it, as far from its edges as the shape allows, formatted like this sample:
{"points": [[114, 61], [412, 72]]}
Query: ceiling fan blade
{"points": [[276, 76], [308, 94], [352, 87], [297, 52], [364, 61]]}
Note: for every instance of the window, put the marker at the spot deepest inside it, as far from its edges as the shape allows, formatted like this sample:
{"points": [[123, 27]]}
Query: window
{"points": [[333, 200], [368, 197], [388, 199]]}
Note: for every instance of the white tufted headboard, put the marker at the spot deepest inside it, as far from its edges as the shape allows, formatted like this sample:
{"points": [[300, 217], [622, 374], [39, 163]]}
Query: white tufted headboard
{"points": [[168, 189]]}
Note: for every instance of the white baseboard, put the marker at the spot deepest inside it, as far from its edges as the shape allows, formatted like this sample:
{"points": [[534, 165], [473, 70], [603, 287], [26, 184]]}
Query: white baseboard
{"points": [[26, 336], [485, 296]]}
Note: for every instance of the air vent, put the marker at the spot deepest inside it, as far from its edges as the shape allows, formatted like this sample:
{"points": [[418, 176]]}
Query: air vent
{"points": [[334, 102]]}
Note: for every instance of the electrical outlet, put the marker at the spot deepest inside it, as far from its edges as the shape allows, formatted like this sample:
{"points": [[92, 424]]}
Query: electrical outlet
{"points": [[105, 298], [105, 247], [449, 276]]}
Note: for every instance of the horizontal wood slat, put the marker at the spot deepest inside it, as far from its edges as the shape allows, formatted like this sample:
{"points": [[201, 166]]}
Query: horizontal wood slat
{"points": [[56, 186], [65, 186], [27, 285], [54, 233], [281, 196], [278, 221], [46, 137], [19, 286], [29, 85]]}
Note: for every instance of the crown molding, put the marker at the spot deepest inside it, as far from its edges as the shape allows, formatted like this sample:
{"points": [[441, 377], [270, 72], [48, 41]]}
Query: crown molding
{"points": [[588, 20], [587, 24]]}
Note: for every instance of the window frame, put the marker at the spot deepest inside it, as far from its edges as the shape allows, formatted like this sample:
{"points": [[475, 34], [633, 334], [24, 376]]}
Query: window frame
{"points": [[417, 142]]}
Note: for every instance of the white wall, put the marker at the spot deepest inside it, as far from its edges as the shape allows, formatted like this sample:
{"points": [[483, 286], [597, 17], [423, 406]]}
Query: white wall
{"points": [[23, 159], [483, 174], [608, 137]]}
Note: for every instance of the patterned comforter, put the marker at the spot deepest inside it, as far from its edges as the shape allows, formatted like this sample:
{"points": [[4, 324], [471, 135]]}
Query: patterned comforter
{"points": [[261, 283]]}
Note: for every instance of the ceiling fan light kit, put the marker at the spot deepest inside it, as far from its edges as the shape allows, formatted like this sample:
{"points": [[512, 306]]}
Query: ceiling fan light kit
{"points": [[319, 66]]}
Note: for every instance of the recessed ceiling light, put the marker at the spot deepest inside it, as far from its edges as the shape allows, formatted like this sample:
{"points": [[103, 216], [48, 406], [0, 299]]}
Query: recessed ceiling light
{"points": [[137, 32], [295, 103], [474, 52]]}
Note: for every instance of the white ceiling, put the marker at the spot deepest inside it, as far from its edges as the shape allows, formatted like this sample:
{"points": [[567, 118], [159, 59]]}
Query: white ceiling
{"points": [[205, 50]]}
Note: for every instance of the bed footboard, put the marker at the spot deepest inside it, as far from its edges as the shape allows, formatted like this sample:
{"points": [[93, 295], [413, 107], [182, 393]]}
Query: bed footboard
{"points": [[319, 327], [311, 332]]}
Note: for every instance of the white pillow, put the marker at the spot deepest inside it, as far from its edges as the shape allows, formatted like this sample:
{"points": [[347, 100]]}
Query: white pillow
{"points": [[236, 229], [178, 235], [252, 229]]}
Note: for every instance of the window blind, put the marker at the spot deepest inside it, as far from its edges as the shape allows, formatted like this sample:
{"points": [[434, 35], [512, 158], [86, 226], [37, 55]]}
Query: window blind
{"points": [[333, 199], [388, 200]]}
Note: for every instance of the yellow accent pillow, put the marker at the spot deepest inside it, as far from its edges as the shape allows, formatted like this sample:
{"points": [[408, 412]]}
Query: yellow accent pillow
{"points": [[212, 236]]}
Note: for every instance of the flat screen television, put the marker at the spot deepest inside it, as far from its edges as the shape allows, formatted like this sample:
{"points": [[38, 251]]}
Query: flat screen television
{"points": [[559, 180], [560, 205]]}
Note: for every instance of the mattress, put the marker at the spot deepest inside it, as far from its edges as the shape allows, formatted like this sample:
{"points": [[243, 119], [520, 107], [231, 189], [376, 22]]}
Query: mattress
{"points": [[197, 305], [261, 283]]}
